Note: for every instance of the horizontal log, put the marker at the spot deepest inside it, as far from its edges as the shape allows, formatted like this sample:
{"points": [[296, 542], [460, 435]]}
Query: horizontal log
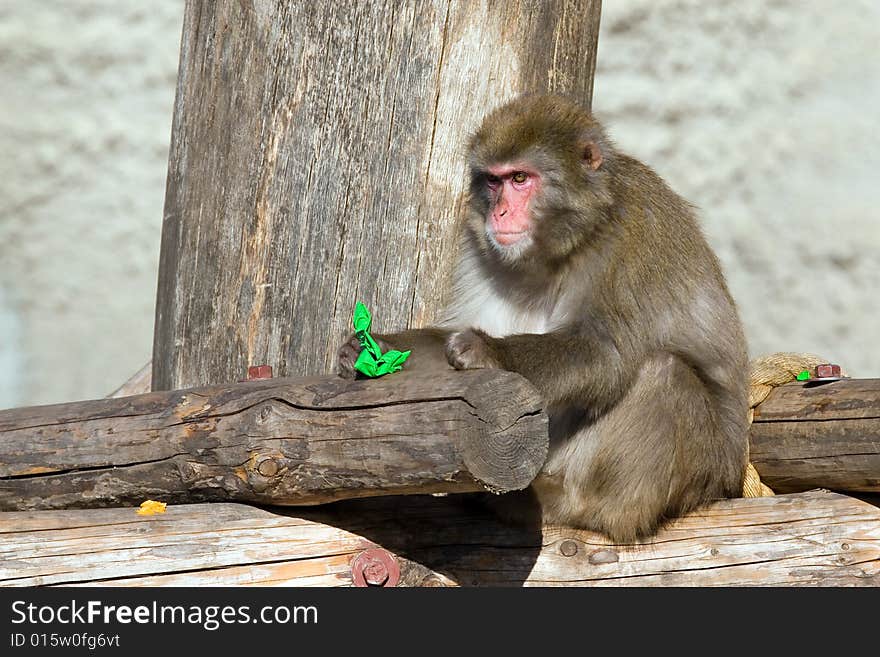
{"points": [[277, 441], [808, 539], [807, 436], [245, 442]]}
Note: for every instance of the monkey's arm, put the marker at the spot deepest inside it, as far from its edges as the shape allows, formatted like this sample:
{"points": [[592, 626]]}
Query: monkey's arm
{"points": [[427, 346], [565, 366]]}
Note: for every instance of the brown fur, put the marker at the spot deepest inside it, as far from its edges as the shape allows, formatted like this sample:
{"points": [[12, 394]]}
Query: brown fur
{"points": [[642, 359]]}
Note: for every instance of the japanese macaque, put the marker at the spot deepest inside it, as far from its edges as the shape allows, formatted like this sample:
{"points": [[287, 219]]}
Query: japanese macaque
{"points": [[580, 269]]}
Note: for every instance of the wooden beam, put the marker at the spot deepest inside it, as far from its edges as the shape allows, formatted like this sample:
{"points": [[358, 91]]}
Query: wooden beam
{"points": [[317, 159], [807, 436], [808, 539], [803, 437], [277, 441]]}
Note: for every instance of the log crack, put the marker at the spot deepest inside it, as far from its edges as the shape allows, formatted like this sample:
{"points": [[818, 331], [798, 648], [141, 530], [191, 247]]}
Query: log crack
{"points": [[92, 468]]}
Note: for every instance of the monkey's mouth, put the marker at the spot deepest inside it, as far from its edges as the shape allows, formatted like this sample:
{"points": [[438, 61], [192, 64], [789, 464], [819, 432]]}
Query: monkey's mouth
{"points": [[508, 238]]}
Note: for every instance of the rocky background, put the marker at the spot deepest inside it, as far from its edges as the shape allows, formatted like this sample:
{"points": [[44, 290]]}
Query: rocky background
{"points": [[764, 113]]}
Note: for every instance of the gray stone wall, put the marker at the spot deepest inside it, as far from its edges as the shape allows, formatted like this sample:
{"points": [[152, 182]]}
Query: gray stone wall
{"points": [[85, 122], [764, 113]]}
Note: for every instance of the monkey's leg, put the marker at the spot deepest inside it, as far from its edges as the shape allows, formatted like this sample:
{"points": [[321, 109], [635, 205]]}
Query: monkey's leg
{"points": [[427, 346], [658, 453]]}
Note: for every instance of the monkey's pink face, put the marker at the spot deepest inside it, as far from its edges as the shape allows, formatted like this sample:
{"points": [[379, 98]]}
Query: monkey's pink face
{"points": [[511, 189]]}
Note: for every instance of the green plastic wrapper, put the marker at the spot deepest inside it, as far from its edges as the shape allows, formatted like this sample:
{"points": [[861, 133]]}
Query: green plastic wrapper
{"points": [[803, 376], [372, 362]]}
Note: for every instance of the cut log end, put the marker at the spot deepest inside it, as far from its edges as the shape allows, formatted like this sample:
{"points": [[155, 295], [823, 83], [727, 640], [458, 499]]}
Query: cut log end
{"points": [[508, 451]]}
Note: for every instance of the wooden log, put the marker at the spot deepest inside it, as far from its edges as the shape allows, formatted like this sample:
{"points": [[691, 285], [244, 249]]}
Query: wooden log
{"points": [[808, 539], [806, 436], [317, 159], [277, 441], [802, 437]]}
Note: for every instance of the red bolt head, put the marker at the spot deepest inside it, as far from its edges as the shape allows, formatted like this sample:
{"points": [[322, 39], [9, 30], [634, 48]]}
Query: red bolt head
{"points": [[375, 567], [376, 573], [259, 372], [827, 370]]}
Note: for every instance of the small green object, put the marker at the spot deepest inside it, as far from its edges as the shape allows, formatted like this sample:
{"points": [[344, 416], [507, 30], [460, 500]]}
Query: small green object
{"points": [[372, 362], [804, 376]]}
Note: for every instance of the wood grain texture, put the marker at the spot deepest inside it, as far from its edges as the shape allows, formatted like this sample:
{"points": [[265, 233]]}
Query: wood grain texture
{"points": [[277, 441], [808, 539], [317, 159], [808, 436]]}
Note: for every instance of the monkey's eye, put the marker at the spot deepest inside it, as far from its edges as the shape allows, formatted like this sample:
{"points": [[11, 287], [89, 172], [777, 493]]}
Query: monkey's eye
{"points": [[519, 177], [492, 181]]}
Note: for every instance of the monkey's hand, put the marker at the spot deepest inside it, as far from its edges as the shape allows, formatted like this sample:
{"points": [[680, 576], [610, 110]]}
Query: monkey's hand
{"points": [[348, 354], [471, 349]]}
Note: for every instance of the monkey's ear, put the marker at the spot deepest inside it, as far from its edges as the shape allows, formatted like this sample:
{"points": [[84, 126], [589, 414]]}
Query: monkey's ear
{"points": [[592, 155]]}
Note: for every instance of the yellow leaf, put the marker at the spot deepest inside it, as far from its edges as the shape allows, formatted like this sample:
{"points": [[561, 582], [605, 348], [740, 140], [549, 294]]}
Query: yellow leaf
{"points": [[151, 507]]}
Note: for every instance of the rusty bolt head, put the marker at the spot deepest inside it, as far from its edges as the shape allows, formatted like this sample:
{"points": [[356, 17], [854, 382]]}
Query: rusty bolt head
{"points": [[827, 370], [375, 567], [376, 573], [259, 372], [568, 548]]}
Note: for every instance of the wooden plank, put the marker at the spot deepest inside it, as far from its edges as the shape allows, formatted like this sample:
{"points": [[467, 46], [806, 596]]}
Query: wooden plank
{"points": [[809, 539], [316, 160], [806, 436], [139, 383], [278, 441]]}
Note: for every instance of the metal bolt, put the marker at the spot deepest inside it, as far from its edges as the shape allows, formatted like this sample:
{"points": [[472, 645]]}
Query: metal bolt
{"points": [[568, 548], [375, 573], [827, 370], [375, 567], [259, 372]]}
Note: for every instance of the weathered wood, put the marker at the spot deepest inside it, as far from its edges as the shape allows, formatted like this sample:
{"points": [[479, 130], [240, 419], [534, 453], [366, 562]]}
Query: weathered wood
{"points": [[317, 159], [277, 441], [809, 539], [139, 383], [808, 436], [802, 438]]}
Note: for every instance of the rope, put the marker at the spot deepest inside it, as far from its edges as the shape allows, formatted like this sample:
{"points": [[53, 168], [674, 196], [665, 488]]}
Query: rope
{"points": [[765, 374]]}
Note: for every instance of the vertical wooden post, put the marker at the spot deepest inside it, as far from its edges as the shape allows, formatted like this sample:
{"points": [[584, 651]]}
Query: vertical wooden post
{"points": [[317, 159]]}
